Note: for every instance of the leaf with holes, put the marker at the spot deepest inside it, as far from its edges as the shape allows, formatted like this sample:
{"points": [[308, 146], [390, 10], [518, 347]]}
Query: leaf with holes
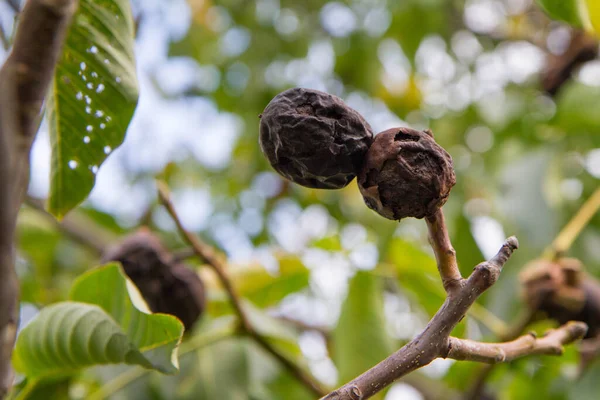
{"points": [[91, 100], [99, 326]]}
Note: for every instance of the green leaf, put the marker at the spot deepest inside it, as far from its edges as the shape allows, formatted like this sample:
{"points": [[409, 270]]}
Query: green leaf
{"points": [[576, 111], [91, 100], [223, 371], [360, 339], [156, 335], [563, 10], [265, 289], [259, 286], [68, 336], [593, 11], [417, 275]]}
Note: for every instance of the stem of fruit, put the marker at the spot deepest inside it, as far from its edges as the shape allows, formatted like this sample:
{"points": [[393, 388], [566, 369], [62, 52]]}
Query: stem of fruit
{"points": [[444, 252], [208, 254]]}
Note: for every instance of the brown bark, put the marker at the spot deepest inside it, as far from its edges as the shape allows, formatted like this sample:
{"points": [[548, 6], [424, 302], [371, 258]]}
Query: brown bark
{"points": [[24, 81]]}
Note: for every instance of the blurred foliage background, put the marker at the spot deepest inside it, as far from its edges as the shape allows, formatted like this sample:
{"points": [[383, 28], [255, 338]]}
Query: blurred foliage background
{"points": [[337, 286]]}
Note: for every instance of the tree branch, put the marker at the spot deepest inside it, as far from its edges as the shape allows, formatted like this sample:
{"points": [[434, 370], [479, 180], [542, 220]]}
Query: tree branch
{"points": [[435, 340], [24, 81], [208, 254], [444, 252], [492, 353], [432, 342]]}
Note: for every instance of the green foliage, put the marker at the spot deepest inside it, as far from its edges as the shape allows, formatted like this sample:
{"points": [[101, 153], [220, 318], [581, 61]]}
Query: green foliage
{"points": [[564, 10], [100, 325], [265, 289], [96, 339], [155, 335], [224, 371], [533, 176], [360, 339], [91, 100], [262, 288]]}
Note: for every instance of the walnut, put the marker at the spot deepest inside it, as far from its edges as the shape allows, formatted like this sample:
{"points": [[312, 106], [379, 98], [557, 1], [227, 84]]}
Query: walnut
{"points": [[313, 138], [406, 174], [166, 286]]}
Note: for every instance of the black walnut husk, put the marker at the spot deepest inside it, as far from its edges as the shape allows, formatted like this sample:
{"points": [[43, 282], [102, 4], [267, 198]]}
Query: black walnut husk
{"points": [[406, 174], [563, 291], [167, 287], [313, 138]]}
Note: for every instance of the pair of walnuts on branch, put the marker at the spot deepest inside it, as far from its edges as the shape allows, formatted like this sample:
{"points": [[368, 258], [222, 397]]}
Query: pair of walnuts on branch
{"points": [[315, 140]]}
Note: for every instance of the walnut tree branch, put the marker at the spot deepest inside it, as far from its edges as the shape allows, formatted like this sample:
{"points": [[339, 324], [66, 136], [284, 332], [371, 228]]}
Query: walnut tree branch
{"points": [[435, 340], [492, 353], [432, 342], [24, 81], [208, 254]]}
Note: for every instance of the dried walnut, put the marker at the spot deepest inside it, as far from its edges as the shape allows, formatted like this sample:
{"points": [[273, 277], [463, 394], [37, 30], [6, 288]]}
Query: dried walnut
{"points": [[167, 287], [406, 174], [313, 138]]}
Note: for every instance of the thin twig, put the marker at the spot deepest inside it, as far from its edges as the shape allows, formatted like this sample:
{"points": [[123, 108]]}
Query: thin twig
{"points": [[209, 255], [4, 39], [444, 252], [24, 81], [435, 340], [569, 233], [526, 317], [559, 246], [493, 353], [432, 342], [183, 254]]}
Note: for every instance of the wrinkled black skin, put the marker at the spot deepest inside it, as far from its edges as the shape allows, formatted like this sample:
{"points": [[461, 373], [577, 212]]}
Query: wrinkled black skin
{"points": [[166, 287], [406, 174], [313, 138]]}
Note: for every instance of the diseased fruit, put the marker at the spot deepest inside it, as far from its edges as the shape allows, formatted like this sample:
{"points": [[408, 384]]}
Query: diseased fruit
{"points": [[166, 286], [563, 291], [313, 138], [406, 174]]}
